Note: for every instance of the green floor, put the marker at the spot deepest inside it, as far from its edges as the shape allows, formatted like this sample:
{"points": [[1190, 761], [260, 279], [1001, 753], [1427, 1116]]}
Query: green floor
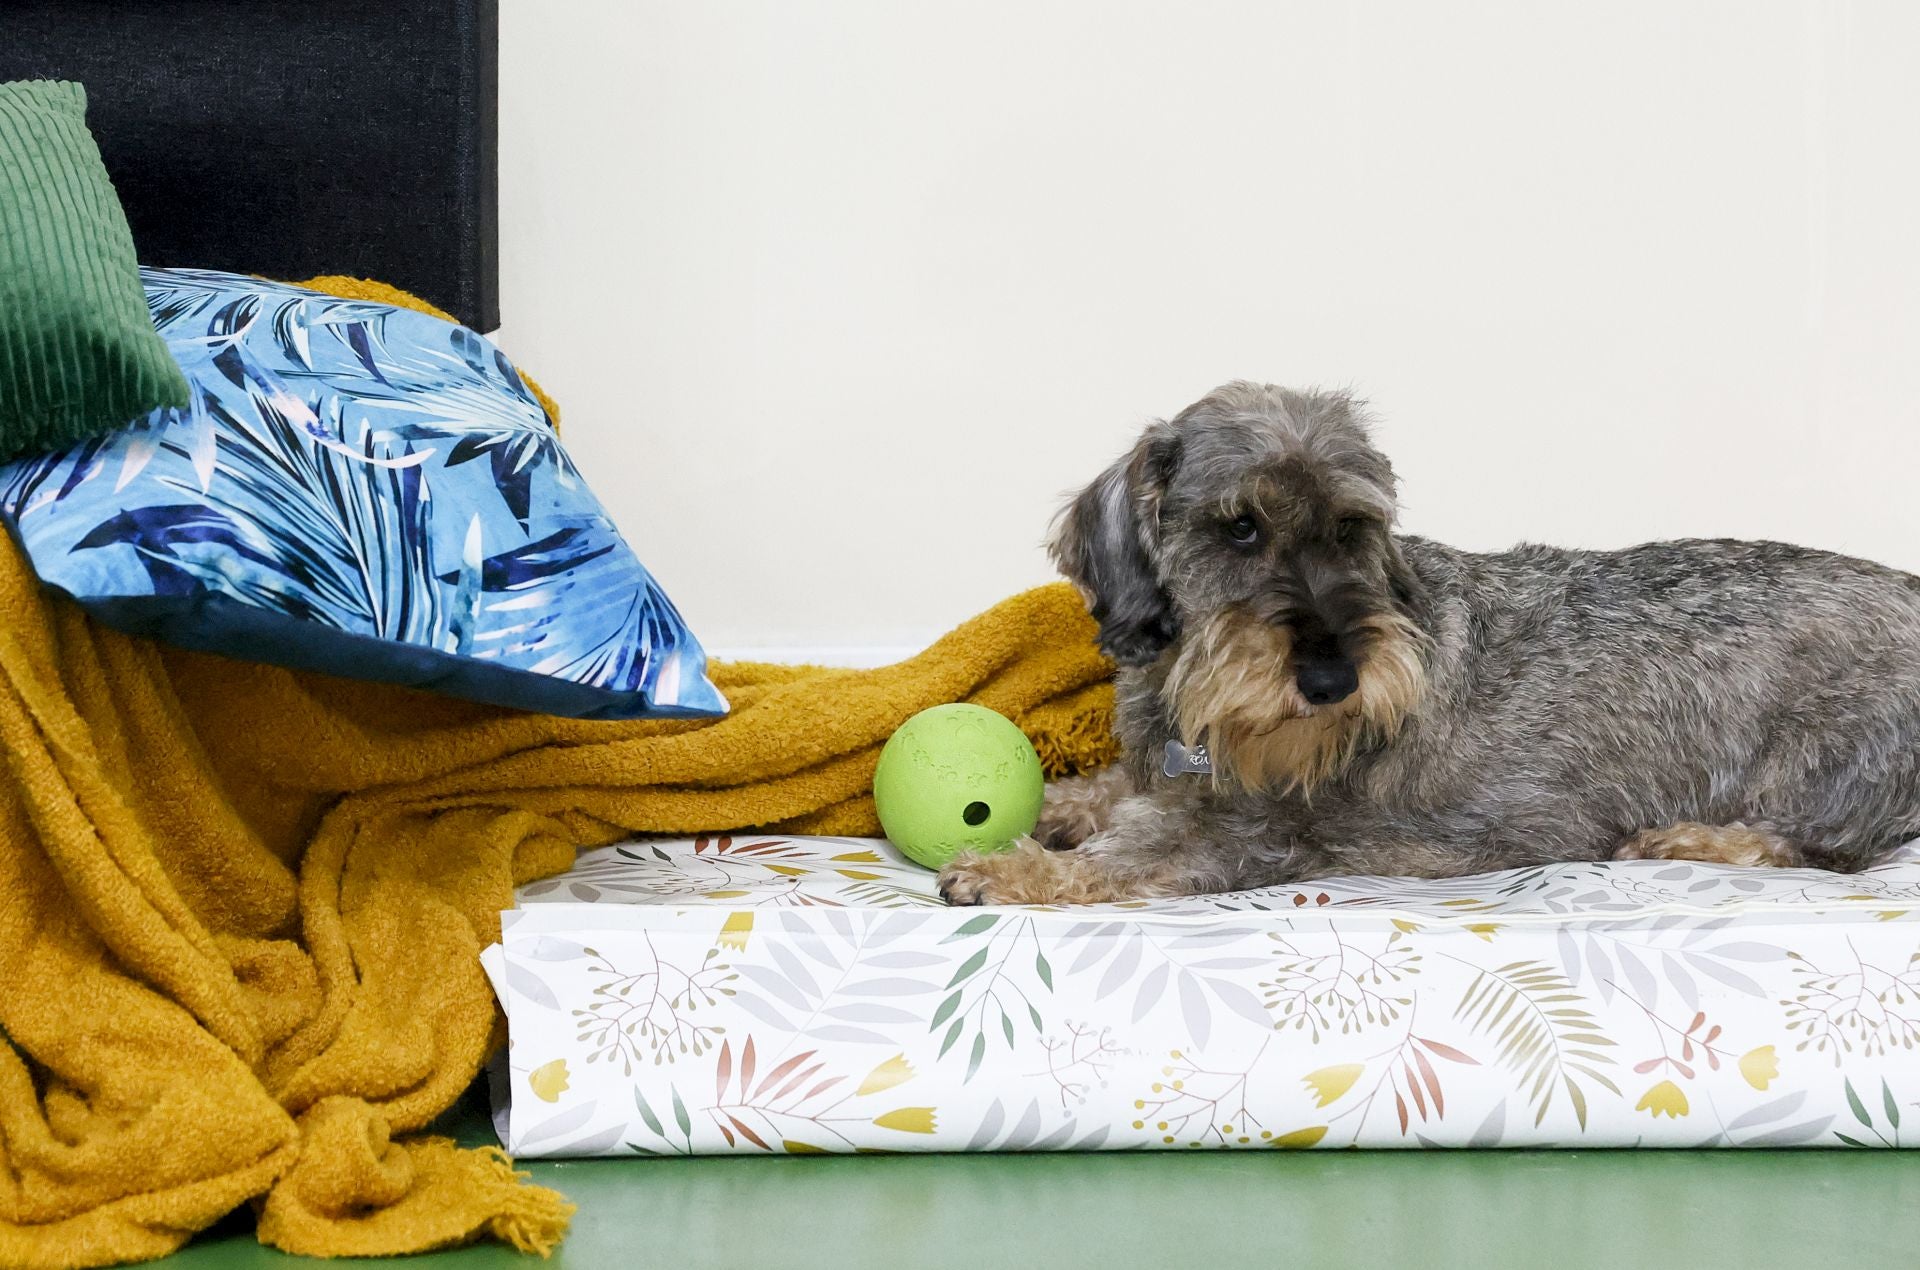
{"points": [[1566, 1210]]}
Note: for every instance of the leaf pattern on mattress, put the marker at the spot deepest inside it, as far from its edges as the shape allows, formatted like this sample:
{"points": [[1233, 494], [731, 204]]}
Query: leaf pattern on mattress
{"points": [[1646, 1003]]}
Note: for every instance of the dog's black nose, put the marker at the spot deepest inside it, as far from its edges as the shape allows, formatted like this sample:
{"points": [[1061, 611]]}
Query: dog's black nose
{"points": [[1324, 682]]}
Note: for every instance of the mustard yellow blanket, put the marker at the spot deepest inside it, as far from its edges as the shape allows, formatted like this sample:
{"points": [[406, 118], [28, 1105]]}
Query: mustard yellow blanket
{"points": [[241, 908]]}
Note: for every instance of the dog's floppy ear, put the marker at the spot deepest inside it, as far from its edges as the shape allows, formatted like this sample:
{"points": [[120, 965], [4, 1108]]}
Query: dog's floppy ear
{"points": [[1409, 593], [1108, 543]]}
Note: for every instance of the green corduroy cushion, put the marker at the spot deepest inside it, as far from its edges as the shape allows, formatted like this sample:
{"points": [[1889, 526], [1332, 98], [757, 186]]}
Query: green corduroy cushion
{"points": [[78, 353]]}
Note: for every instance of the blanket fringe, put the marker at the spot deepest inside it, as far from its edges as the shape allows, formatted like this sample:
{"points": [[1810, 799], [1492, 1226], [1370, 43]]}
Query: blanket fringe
{"points": [[355, 1192]]}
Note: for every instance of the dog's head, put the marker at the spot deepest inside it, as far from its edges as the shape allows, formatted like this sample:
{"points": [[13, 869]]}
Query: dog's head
{"points": [[1248, 543]]}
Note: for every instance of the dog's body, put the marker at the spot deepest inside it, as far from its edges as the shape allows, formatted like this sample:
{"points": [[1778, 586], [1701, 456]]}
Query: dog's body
{"points": [[1387, 705]]}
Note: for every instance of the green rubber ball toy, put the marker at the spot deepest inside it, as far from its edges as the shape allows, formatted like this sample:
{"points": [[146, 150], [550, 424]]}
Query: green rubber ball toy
{"points": [[957, 778]]}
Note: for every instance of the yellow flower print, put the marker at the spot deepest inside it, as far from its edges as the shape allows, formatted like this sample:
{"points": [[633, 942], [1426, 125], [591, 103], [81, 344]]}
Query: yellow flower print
{"points": [[895, 1071], [1759, 1066], [1300, 1139], [549, 1080], [1329, 1083], [733, 934], [1664, 1099], [908, 1120]]}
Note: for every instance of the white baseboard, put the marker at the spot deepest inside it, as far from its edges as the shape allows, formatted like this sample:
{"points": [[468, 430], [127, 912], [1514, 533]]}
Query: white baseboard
{"points": [[849, 655]]}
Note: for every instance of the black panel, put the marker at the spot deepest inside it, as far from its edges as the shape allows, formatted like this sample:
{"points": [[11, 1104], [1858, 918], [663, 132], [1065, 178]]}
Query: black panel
{"points": [[291, 139]]}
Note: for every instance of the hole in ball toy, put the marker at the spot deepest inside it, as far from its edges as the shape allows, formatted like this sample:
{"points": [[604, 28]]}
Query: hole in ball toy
{"points": [[976, 813]]}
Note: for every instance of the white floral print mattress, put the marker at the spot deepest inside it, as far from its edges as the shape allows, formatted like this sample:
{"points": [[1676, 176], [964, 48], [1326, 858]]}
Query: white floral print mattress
{"points": [[771, 994]]}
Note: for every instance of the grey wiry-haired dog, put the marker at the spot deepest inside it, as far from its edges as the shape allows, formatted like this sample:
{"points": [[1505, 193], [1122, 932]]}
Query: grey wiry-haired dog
{"points": [[1373, 703]]}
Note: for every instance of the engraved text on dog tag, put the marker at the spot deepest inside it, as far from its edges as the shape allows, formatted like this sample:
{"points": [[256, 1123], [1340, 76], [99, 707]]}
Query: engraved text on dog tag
{"points": [[1181, 761]]}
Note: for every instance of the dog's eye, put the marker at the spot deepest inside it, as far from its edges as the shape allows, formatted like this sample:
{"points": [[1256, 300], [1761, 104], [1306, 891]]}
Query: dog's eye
{"points": [[1244, 530], [1350, 528]]}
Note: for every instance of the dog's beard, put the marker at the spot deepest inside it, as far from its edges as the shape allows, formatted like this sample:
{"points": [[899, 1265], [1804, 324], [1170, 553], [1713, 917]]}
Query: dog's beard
{"points": [[1232, 686]]}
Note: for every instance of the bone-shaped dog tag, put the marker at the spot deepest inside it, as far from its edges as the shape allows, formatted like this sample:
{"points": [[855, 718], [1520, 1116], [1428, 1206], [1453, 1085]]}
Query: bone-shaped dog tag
{"points": [[1182, 761]]}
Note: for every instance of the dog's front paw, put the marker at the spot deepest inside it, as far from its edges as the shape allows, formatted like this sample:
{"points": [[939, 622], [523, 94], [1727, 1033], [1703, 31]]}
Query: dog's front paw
{"points": [[1024, 874], [964, 883]]}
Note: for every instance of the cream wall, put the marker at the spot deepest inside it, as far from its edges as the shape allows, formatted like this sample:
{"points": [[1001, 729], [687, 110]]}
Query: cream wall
{"points": [[840, 297]]}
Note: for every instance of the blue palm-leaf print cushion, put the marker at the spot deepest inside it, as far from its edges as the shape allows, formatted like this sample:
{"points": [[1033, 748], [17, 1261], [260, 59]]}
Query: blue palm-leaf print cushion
{"points": [[362, 490]]}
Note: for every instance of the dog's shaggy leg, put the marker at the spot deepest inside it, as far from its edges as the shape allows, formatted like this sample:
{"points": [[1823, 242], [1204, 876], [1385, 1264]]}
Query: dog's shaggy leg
{"points": [[1149, 850], [1711, 844], [1031, 874], [1080, 806]]}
